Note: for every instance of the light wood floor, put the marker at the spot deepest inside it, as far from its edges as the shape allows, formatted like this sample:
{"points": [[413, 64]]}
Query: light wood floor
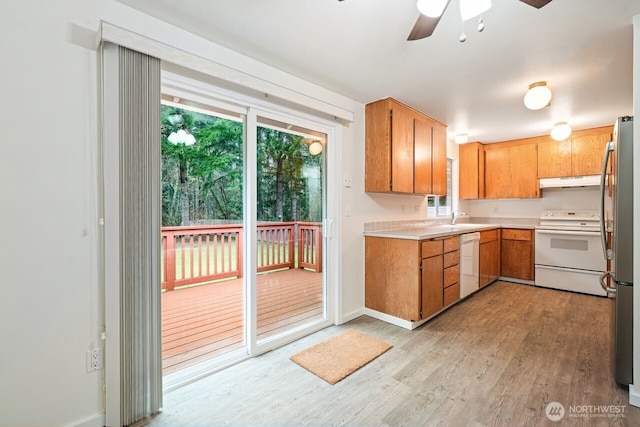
{"points": [[496, 359]]}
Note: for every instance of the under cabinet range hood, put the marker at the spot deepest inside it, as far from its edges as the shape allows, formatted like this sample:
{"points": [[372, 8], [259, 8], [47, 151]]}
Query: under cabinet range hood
{"points": [[570, 181]]}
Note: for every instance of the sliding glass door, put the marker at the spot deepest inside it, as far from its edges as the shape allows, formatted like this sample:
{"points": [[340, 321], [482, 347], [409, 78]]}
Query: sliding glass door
{"points": [[243, 249], [203, 279], [290, 286]]}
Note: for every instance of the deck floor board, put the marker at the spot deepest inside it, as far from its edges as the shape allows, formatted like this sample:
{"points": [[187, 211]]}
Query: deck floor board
{"points": [[201, 322]]}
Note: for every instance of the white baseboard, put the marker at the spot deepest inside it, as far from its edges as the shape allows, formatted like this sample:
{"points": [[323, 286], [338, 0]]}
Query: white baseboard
{"points": [[634, 396], [406, 324], [95, 421], [353, 315]]}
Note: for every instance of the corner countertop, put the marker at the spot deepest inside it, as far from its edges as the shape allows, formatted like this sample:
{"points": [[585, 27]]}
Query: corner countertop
{"points": [[421, 230]]}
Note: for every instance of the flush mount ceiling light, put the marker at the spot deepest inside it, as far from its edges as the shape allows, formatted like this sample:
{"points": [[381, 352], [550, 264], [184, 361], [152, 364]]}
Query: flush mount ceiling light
{"points": [[538, 96], [432, 8], [560, 131], [462, 138]]}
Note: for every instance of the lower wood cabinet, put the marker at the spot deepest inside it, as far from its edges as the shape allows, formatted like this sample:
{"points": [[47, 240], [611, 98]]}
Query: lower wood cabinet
{"points": [[411, 279], [517, 252], [489, 256]]}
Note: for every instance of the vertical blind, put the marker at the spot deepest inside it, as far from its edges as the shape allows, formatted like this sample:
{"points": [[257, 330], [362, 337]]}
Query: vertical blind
{"points": [[140, 343]]}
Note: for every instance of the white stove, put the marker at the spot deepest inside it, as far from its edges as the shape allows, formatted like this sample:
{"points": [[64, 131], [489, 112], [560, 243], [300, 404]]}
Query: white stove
{"points": [[568, 251]]}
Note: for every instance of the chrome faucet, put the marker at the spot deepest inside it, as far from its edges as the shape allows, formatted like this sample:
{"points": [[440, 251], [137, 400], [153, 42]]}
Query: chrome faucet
{"points": [[455, 215]]}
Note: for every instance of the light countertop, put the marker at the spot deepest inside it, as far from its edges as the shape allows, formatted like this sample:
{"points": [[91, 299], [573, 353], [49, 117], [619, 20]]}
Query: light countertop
{"points": [[429, 230]]}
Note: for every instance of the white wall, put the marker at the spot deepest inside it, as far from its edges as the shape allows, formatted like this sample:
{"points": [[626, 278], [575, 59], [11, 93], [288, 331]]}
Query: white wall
{"points": [[50, 304], [582, 198]]}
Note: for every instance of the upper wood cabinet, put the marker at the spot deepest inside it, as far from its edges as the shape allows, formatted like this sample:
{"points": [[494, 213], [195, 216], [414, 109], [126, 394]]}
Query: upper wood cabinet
{"points": [[405, 150], [576, 156], [471, 170], [511, 170]]}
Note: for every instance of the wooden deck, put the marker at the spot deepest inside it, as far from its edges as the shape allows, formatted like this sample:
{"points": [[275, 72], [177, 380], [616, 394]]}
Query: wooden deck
{"points": [[202, 322]]}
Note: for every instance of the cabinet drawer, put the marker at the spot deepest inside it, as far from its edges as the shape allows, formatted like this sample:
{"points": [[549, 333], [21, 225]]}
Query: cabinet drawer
{"points": [[451, 294], [516, 234], [451, 275], [452, 244], [488, 236], [451, 258], [431, 248]]}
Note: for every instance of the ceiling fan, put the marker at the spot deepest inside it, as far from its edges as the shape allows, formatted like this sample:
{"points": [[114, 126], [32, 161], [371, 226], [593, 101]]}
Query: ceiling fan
{"points": [[425, 25]]}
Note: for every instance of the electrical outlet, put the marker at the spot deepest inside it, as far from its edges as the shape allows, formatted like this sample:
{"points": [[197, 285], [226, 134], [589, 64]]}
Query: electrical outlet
{"points": [[94, 359]]}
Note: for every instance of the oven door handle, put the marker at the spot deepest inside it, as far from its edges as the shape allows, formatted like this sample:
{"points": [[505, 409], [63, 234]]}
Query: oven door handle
{"points": [[570, 233], [609, 290]]}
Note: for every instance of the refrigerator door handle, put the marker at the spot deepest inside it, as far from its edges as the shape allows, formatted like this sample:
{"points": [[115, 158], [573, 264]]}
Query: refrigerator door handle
{"points": [[603, 178], [608, 289]]}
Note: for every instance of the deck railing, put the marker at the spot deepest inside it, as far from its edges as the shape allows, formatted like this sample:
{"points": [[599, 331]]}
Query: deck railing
{"points": [[204, 253]]}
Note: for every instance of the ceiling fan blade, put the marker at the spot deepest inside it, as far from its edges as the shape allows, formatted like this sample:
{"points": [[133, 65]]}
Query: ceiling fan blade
{"points": [[536, 3], [425, 25]]}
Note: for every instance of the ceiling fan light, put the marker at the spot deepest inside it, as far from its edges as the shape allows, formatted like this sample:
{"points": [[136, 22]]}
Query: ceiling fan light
{"points": [[560, 131], [538, 96], [472, 8], [432, 8]]}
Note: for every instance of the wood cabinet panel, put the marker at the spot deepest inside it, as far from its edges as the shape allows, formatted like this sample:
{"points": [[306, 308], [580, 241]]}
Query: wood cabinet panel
{"points": [[452, 244], [451, 258], [432, 286], [523, 171], [488, 236], [451, 275], [392, 280], [471, 171], [489, 262], [554, 158], [423, 182], [516, 252], [377, 147], [517, 234], [439, 159], [587, 152], [431, 248], [497, 177], [402, 150], [451, 294]]}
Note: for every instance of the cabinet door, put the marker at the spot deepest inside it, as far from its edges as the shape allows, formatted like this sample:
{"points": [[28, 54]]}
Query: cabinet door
{"points": [[432, 285], [423, 158], [554, 158], [470, 171], [401, 150], [523, 165], [517, 259], [586, 154], [489, 262], [439, 162], [392, 277], [377, 176], [497, 177]]}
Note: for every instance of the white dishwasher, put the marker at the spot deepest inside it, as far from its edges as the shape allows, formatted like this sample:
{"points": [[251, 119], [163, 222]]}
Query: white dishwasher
{"points": [[469, 263]]}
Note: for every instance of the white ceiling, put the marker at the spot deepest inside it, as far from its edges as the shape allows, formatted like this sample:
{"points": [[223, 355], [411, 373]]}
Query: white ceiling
{"points": [[582, 48]]}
